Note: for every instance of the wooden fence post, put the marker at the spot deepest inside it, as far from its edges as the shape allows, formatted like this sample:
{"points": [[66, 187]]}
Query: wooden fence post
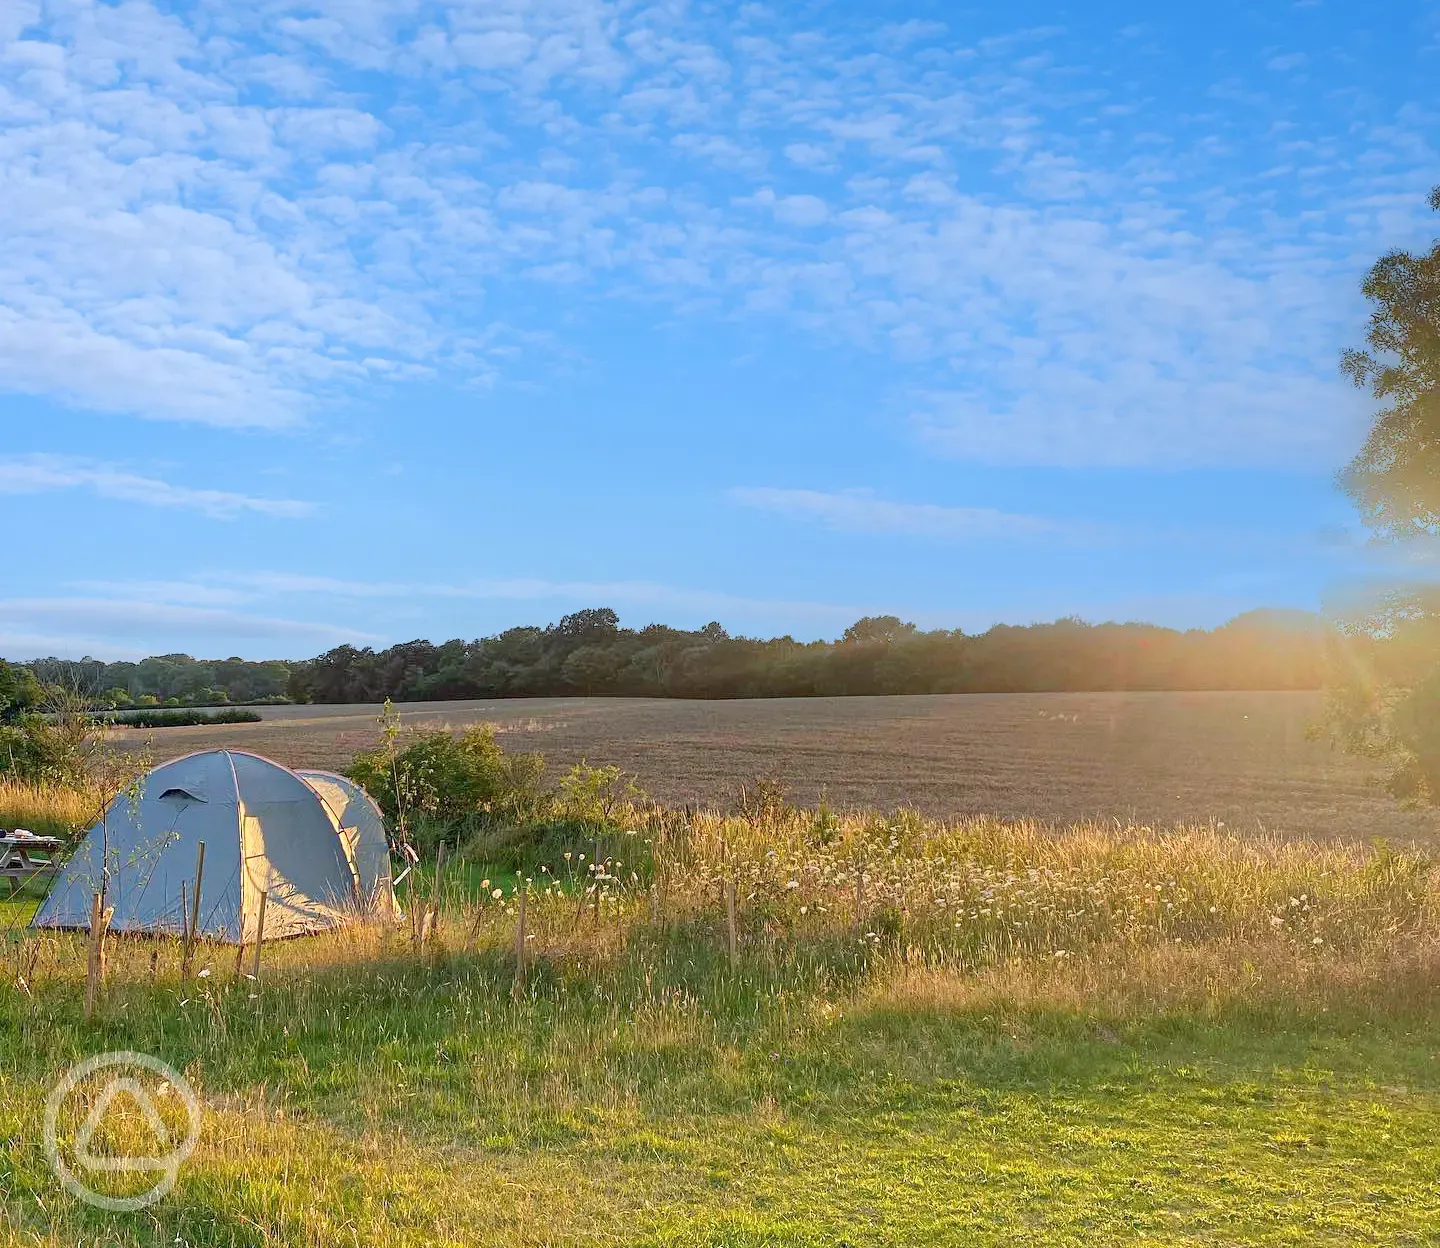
{"points": [[259, 936], [195, 900], [599, 871], [517, 989], [731, 934], [92, 968], [434, 925], [192, 927], [184, 929]]}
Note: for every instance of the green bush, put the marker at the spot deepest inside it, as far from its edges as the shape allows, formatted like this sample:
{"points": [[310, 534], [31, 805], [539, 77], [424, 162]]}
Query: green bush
{"points": [[29, 752], [64, 746], [436, 783], [183, 719], [593, 817]]}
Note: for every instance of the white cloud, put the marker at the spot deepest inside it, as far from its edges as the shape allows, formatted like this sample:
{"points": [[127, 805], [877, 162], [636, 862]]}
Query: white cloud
{"points": [[269, 587], [860, 511], [235, 218], [122, 627], [810, 156], [37, 474], [801, 210], [177, 593], [537, 589]]}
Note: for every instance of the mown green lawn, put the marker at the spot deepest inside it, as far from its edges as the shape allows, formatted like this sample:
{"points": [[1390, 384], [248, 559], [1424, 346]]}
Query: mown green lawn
{"points": [[662, 1099]]}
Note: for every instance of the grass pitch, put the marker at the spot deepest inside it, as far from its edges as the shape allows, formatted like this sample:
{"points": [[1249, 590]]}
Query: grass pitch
{"points": [[973, 1034]]}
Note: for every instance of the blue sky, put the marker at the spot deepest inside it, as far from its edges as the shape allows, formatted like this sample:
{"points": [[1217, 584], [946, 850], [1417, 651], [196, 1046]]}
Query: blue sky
{"points": [[362, 320]]}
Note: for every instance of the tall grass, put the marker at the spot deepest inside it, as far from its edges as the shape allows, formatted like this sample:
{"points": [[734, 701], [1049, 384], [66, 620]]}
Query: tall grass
{"points": [[1087, 1012], [860, 893], [977, 891], [45, 809]]}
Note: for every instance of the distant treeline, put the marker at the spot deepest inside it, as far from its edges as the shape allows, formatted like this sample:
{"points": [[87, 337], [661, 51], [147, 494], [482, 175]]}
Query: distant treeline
{"points": [[165, 680], [589, 653]]}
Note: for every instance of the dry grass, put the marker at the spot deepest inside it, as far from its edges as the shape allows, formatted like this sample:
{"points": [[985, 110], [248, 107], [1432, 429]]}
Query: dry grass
{"points": [[848, 892], [46, 810], [1161, 759], [930, 1033]]}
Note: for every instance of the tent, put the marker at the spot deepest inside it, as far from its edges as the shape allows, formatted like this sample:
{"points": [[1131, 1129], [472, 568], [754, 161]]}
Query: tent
{"points": [[357, 816], [265, 829]]}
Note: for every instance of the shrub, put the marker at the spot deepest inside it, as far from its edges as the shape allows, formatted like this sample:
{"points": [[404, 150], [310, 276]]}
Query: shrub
{"points": [[31, 753], [595, 796], [436, 780], [65, 746], [183, 719]]}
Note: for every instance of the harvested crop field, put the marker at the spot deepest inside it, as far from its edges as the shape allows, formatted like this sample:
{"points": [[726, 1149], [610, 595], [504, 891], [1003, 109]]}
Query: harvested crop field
{"points": [[1158, 758]]}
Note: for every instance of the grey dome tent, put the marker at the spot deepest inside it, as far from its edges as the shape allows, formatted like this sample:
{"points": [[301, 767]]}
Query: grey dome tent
{"points": [[363, 826], [265, 829]]}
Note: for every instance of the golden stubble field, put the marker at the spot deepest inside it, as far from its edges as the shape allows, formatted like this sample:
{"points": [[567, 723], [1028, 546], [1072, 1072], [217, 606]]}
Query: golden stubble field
{"points": [[1158, 758]]}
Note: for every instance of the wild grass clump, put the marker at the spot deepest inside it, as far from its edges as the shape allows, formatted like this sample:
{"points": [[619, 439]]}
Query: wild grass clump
{"points": [[46, 809]]}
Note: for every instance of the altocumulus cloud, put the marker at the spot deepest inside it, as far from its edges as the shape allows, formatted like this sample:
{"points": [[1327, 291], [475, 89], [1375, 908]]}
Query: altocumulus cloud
{"points": [[237, 214]]}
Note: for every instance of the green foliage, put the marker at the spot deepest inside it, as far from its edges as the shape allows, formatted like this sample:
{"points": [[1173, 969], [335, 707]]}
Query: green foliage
{"points": [[183, 719], [1395, 479], [588, 653], [65, 745], [428, 782], [592, 669], [173, 679], [1384, 689], [885, 628], [31, 751], [1415, 722], [596, 796], [20, 691]]}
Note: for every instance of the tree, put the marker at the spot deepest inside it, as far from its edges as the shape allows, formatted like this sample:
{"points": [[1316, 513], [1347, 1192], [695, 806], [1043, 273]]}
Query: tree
{"points": [[886, 628], [1395, 479], [591, 669], [591, 625], [1384, 698], [20, 691]]}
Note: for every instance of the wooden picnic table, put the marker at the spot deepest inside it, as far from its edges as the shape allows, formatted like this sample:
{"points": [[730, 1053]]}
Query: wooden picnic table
{"points": [[16, 861]]}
